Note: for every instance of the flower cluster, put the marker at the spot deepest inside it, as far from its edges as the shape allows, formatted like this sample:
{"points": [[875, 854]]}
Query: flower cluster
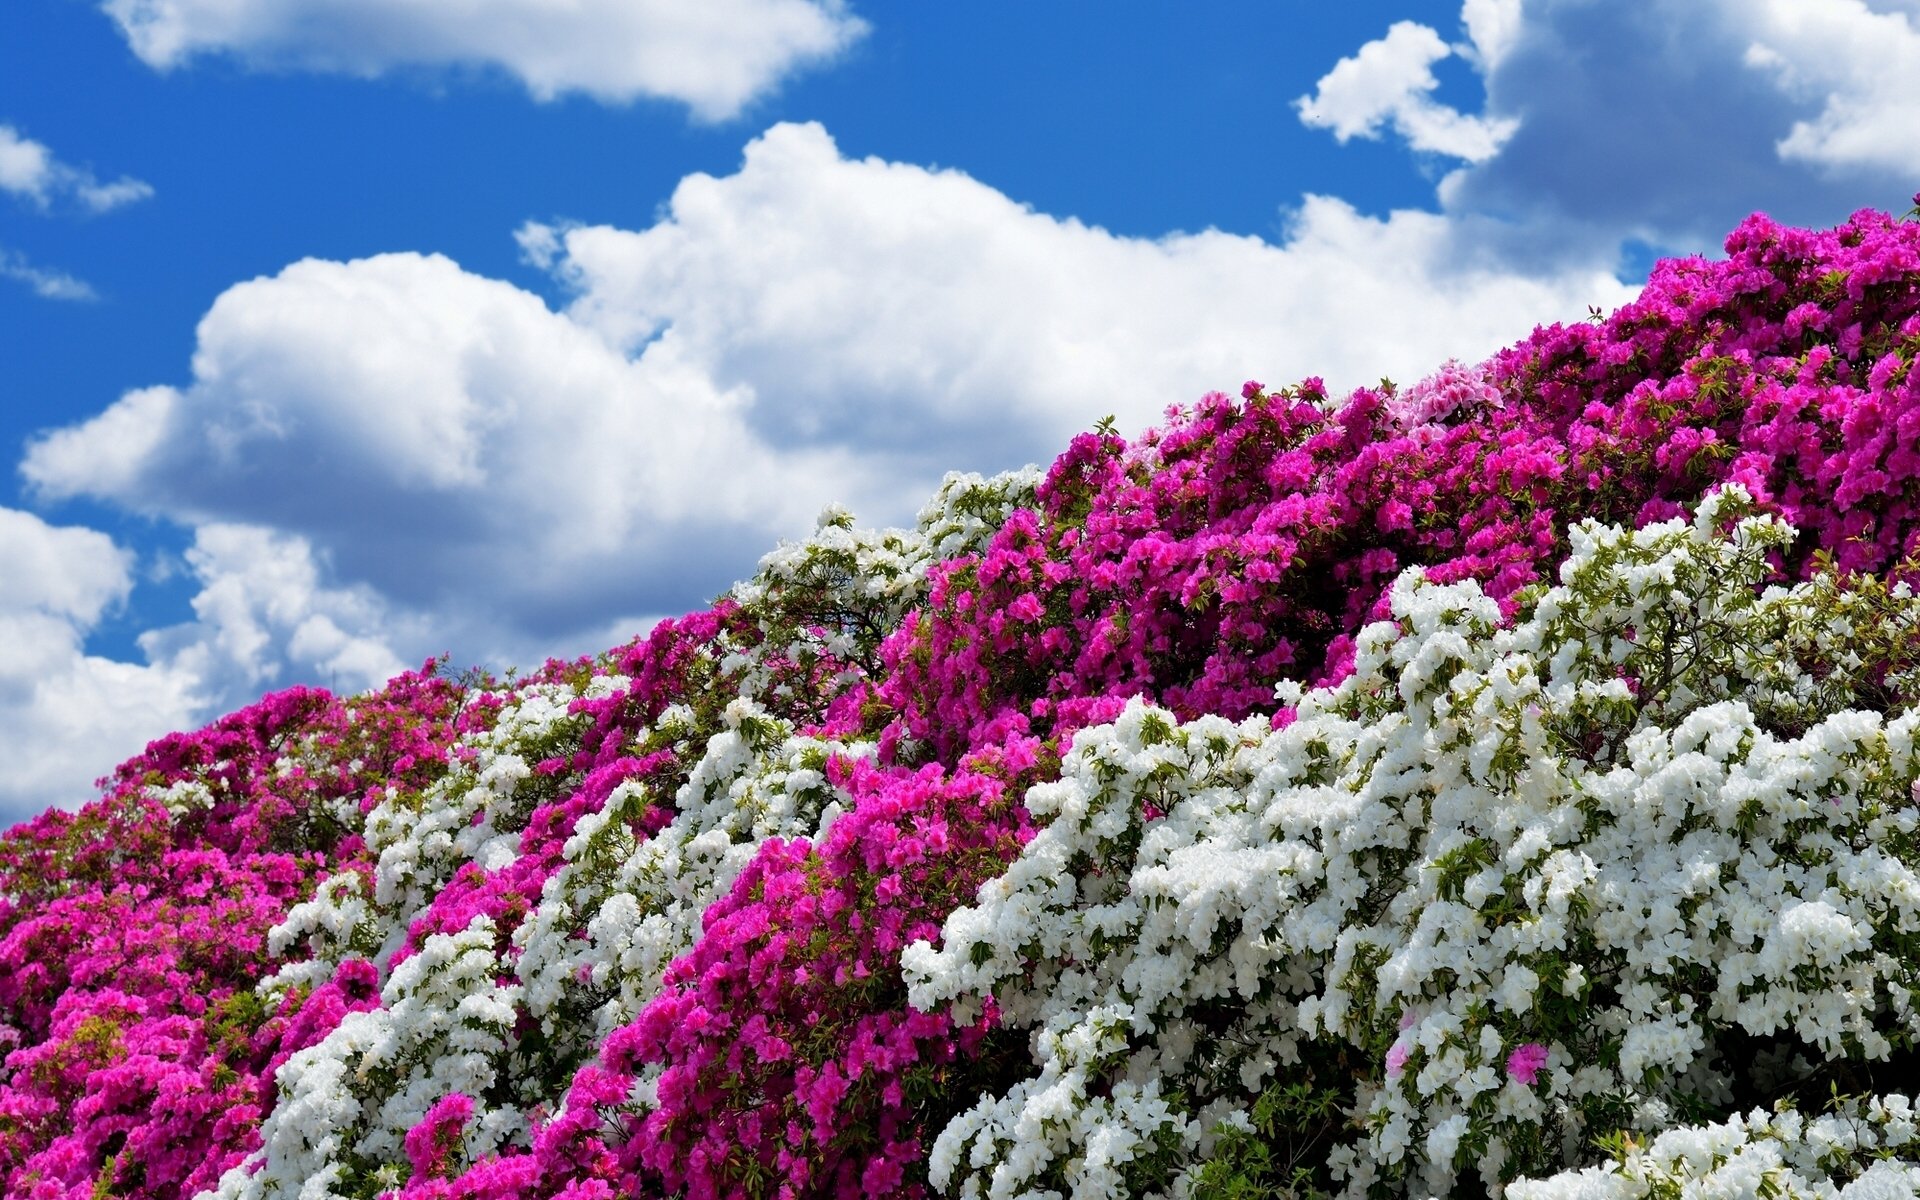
{"points": [[1867, 1147], [1248, 541], [132, 934], [1554, 876], [1298, 798], [522, 910]]}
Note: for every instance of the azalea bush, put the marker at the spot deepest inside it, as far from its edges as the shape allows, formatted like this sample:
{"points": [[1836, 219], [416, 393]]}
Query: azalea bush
{"points": [[1500, 783], [1611, 864]]}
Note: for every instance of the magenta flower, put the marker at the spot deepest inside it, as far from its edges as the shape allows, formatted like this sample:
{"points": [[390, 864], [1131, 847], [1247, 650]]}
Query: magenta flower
{"points": [[431, 1143], [1523, 1065], [1243, 543]]}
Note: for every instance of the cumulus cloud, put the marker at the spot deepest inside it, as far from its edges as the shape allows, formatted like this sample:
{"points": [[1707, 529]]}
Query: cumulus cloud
{"points": [[811, 328], [915, 311], [450, 440], [264, 609], [1493, 26], [70, 575], [29, 171], [714, 56], [392, 457], [261, 615], [1860, 66], [1390, 82], [58, 705], [1666, 121]]}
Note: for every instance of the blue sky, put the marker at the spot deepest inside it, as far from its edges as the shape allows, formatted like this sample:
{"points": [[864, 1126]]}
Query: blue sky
{"points": [[339, 333]]}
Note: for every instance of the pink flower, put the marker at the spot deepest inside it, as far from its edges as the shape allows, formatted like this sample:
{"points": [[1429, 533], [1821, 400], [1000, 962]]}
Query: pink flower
{"points": [[1397, 1059], [431, 1144], [1523, 1065]]}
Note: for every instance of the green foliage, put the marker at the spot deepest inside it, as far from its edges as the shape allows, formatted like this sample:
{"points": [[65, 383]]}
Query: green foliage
{"points": [[1281, 1154]]}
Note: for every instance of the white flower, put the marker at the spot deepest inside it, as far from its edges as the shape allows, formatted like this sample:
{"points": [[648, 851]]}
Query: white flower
{"points": [[1421, 840]]}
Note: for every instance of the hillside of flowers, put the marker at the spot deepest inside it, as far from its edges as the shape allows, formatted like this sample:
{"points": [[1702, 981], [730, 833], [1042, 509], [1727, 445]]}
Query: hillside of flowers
{"points": [[1504, 784]]}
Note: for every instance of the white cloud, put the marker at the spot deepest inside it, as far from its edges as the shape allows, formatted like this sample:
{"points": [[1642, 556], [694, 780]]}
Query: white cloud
{"points": [[1390, 81], [1665, 121], [25, 165], [30, 172], [810, 328], [1862, 67], [392, 457], [71, 575], [263, 608], [453, 442], [715, 55], [1493, 26], [886, 305], [67, 717], [53, 285]]}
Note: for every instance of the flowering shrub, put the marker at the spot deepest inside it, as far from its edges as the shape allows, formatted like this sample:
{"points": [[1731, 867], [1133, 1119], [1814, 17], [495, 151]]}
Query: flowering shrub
{"points": [[132, 935], [792, 1065], [1759, 1153], [1248, 542], [1297, 799], [526, 906], [1543, 878]]}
